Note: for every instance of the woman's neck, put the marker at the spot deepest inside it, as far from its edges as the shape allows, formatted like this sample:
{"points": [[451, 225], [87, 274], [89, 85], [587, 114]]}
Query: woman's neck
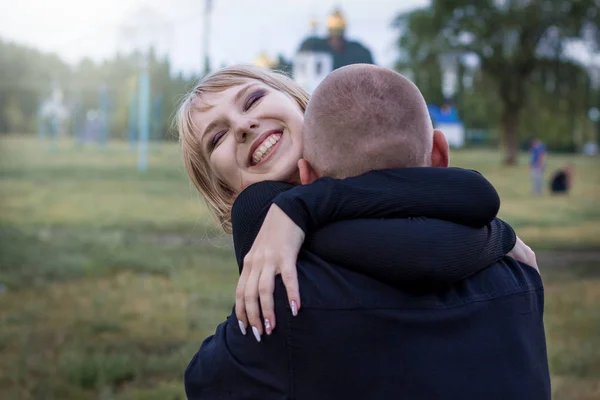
{"points": [[294, 179]]}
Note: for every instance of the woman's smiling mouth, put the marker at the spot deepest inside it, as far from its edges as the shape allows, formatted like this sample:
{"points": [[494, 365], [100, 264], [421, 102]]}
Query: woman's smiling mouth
{"points": [[264, 147]]}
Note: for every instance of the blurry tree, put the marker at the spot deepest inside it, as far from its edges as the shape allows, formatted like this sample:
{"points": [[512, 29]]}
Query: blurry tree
{"points": [[418, 58], [478, 102], [27, 76], [512, 40], [559, 97], [284, 64]]}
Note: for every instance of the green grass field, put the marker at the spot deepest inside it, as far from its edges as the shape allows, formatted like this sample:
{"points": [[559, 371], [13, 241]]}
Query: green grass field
{"points": [[111, 279]]}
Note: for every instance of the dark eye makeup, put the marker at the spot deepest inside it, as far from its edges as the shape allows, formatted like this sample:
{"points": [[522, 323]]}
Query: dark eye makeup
{"points": [[215, 140], [253, 98]]}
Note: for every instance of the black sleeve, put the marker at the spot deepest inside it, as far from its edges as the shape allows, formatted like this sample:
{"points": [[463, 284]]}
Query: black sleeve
{"points": [[450, 194], [412, 252], [249, 211], [398, 251]]}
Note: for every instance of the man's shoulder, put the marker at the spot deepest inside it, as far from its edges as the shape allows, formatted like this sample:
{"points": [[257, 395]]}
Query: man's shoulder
{"points": [[463, 330], [504, 278], [259, 370], [326, 285]]}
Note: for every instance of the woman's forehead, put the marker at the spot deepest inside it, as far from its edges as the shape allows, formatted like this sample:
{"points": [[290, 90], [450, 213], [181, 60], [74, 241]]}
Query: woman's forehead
{"points": [[209, 106], [209, 99]]}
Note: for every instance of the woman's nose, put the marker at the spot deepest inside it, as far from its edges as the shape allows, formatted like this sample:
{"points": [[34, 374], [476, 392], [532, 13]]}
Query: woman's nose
{"points": [[245, 129]]}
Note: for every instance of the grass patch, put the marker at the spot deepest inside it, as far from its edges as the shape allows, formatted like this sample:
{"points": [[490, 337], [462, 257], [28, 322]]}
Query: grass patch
{"points": [[572, 325], [96, 370]]}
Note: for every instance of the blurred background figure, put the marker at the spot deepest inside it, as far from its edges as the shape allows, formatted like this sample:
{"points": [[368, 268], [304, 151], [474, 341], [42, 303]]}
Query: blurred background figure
{"points": [[562, 180], [52, 116], [537, 163]]}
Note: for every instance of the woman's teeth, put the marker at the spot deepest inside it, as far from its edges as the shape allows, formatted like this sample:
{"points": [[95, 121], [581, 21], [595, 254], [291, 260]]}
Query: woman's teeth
{"points": [[265, 147]]}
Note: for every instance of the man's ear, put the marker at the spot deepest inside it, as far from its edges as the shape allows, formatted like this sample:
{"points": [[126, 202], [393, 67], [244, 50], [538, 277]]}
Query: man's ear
{"points": [[440, 153], [307, 173]]}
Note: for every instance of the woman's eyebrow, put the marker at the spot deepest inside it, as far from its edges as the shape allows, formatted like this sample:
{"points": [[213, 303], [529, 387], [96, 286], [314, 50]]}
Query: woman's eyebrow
{"points": [[210, 127], [243, 91]]}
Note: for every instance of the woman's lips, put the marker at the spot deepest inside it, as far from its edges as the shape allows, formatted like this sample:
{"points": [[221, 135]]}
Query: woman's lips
{"points": [[268, 148]]}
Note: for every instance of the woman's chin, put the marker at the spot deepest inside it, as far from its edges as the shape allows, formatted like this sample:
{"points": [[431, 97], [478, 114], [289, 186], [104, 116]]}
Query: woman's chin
{"points": [[294, 178]]}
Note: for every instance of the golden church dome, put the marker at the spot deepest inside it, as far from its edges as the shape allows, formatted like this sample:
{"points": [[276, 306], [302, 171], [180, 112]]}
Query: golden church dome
{"points": [[336, 21], [263, 60]]}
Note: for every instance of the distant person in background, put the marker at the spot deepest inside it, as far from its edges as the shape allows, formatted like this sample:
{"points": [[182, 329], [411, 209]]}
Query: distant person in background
{"points": [[562, 180], [537, 163]]}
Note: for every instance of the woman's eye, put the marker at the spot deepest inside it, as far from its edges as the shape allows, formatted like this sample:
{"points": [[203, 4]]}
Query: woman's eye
{"points": [[254, 97], [217, 138]]}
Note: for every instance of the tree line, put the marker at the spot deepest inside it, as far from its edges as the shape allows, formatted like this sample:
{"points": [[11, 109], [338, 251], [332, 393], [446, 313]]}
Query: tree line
{"points": [[525, 83], [28, 76], [515, 79]]}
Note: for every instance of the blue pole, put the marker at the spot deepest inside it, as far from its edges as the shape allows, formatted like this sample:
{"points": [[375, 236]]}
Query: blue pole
{"points": [[157, 117], [105, 121], [41, 122], [144, 120], [133, 110], [77, 121], [53, 124]]}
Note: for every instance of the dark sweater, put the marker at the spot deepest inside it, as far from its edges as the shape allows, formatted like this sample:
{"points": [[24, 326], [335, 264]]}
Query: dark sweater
{"points": [[359, 337], [440, 222]]}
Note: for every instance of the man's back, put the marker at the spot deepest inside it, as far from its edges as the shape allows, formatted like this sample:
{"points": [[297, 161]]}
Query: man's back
{"points": [[359, 338], [356, 337]]}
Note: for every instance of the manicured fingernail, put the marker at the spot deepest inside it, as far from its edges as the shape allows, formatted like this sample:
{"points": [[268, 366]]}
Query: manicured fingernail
{"points": [[256, 334], [268, 326], [242, 327], [294, 308]]}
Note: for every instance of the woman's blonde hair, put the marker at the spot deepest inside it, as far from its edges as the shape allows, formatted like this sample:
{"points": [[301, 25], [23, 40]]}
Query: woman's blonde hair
{"points": [[218, 195]]}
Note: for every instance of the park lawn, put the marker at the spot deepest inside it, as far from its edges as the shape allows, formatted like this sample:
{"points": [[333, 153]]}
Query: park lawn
{"points": [[110, 279]]}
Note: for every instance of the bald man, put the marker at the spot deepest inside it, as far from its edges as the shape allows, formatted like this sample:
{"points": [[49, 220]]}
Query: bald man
{"points": [[364, 117], [481, 337]]}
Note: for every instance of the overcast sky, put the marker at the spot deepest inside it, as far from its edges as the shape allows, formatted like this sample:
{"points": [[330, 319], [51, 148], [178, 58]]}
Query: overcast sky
{"points": [[241, 29]]}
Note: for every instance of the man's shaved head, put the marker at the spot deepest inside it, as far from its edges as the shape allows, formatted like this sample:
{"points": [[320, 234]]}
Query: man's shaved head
{"points": [[364, 117]]}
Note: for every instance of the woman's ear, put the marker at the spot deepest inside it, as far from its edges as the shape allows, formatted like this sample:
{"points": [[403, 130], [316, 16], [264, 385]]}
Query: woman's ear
{"points": [[307, 173], [440, 156]]}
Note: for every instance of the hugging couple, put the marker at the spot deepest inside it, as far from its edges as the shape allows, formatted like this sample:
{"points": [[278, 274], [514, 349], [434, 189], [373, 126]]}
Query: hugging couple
{"points": [[369, 269]]}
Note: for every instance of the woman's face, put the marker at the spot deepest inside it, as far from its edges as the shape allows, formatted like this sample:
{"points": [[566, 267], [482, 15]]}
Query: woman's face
{"points": [[251, 133]]}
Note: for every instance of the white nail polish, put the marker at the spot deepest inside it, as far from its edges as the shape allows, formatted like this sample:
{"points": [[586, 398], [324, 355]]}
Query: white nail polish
{"points": [[267, 326], [256, 334], [242, 327], [294, 308]]}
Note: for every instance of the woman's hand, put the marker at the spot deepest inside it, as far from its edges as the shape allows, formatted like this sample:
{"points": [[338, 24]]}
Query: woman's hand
{"points": [[275, 251], [523, 253]]}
